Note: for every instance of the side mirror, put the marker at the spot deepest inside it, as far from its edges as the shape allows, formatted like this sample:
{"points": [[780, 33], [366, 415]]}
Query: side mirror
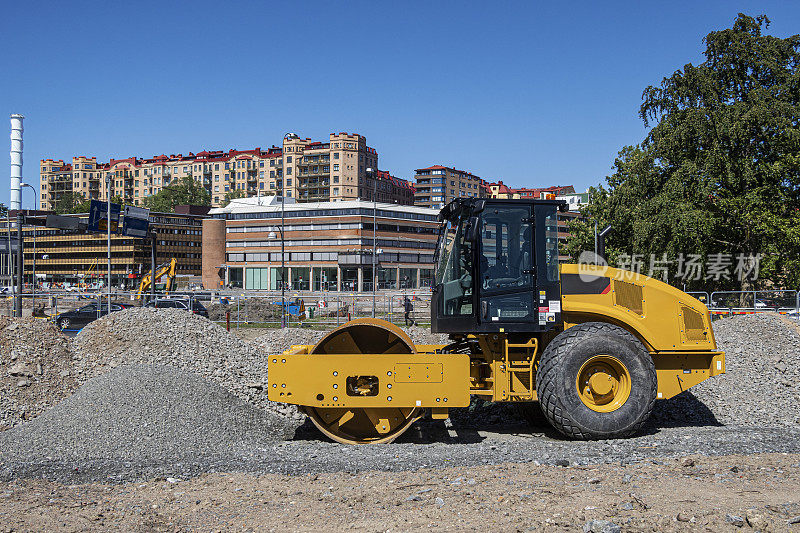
{"points": [[473, 229]]}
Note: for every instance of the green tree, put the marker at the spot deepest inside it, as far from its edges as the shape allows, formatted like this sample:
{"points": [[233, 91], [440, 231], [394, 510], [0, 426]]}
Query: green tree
{"points": [[232, 195], [719, 170], [71, 202], [184, 192]]}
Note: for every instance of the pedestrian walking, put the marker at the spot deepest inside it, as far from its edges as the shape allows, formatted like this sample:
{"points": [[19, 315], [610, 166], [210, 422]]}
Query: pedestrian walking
{"points": [[408, 307]]}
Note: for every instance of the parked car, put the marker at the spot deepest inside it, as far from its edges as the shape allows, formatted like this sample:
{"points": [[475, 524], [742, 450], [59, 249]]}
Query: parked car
{"points": [[78, 318], [179, 303]]}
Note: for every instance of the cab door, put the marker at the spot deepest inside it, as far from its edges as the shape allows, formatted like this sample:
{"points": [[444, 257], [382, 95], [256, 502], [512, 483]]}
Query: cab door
{"points": [[506, 269]]}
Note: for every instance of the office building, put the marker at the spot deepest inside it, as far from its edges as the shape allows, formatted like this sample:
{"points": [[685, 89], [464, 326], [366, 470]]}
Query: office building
{"points": [[328, 245]]}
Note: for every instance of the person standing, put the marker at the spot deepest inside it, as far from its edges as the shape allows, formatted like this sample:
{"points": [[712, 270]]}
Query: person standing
{"points": [[408, 307]]}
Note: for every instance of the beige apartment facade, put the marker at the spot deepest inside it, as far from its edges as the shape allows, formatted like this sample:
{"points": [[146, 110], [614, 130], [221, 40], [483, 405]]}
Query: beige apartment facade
{"points": [[308, 171], [437, 185]]}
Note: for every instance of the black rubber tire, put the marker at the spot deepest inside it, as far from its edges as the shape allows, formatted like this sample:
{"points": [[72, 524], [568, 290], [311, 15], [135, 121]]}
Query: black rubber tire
{"points": [[558, 368], [64, 323]]}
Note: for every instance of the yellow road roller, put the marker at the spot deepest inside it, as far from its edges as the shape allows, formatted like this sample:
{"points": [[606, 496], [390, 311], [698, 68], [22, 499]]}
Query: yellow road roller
{"points": [[592, 347]]}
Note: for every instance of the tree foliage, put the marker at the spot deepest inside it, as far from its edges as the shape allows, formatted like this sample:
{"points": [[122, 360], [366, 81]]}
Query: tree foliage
{"points": [[719, 170], [71, 202], [184, 192], [232, 195]]}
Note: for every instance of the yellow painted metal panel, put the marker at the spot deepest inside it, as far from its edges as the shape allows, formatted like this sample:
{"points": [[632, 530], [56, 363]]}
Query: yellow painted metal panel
{"points": [[418, 373], [678, 372], [321, 380], [660, 321]]}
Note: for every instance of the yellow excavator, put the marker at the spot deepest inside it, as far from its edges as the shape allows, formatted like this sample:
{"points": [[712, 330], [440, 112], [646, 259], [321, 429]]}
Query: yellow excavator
{"points": [[590, 347], [165, 269]]}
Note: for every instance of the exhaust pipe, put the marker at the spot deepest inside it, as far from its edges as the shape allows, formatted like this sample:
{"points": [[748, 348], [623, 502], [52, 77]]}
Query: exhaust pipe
{"points": [[601, 243]]}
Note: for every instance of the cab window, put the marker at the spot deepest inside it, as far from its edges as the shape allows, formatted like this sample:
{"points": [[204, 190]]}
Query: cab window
{"points": [[506, 249]]}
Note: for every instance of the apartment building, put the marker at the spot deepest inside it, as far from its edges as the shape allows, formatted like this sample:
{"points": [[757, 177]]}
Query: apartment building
{"points": [[437, 185], [328, 245], [309, 171], [501, 190]]}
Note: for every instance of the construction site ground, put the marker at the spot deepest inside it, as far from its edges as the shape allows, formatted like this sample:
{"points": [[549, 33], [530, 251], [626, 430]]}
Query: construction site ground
{"points": [[691, 494], [157, 420]]}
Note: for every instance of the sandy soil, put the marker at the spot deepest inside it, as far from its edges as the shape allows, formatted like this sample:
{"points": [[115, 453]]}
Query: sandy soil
{"points": [[695, 494]]}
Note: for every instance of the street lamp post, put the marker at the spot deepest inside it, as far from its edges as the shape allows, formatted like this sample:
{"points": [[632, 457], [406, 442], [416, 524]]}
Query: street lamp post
{"points": [[283, 285], [374, 233], [35, 208]]}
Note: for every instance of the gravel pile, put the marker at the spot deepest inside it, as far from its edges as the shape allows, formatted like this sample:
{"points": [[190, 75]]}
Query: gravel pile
{"points": [[251, 309], [761, 386], [175, 338], [139, 412], [278, 340], [35, 369], [422, 335]]}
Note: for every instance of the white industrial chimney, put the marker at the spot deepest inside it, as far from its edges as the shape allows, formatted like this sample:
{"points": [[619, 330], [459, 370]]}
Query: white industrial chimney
{"points": [[16, 161]]}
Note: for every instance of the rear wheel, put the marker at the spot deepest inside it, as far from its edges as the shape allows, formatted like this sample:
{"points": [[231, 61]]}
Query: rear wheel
{"points": [[364, 425], [596, 381], [64, 323]]}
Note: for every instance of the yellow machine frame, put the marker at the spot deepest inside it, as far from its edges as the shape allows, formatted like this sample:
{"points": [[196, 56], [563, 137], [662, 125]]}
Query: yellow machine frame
{"points": [[674, 327]]}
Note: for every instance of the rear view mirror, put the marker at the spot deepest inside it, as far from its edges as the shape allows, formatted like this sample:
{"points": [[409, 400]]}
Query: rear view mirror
{"points": [[473, 229]]}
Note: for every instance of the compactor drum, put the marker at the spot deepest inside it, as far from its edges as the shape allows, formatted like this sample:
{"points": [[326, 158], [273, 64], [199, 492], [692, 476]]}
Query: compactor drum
{"points": [[591, 348]]}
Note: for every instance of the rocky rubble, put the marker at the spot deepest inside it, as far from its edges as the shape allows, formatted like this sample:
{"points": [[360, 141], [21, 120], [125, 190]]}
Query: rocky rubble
{"points": [[175, 338], [250, 309], [138, 412], [761, 386], [35, 369]]}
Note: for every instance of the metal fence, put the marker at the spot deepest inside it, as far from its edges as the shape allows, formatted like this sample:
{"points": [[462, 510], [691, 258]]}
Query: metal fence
{"points": [[329, 309], [782, 301], [250, 309]]}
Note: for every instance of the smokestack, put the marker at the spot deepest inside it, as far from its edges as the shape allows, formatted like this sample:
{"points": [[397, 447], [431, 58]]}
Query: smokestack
{"points": [[16, 161]]}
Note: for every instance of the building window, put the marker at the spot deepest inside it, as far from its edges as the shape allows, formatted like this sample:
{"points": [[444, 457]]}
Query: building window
{"points": [[288, 170], [216, 166], [288, 159], [336, 179], [336, 155], [336, 167]]}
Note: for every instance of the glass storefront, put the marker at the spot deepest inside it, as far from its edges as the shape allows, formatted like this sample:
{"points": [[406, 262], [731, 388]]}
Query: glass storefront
{"points": [[236, 277], [325, 279], [349, 278], [301, 278], [387, 278], [256, 279], [408, 278]]}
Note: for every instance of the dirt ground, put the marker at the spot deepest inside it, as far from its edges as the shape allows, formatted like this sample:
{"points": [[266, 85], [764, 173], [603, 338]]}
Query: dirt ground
{"points": [[759, 492]]}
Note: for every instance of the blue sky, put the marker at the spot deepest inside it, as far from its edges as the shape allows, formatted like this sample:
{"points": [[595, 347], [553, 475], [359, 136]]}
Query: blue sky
{"points": [[533, 93]]}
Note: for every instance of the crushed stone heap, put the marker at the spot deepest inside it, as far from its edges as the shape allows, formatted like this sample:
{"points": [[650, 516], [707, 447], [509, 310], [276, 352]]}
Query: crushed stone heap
{"points": [[35, 369], [143, 412], [175, 338]]}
